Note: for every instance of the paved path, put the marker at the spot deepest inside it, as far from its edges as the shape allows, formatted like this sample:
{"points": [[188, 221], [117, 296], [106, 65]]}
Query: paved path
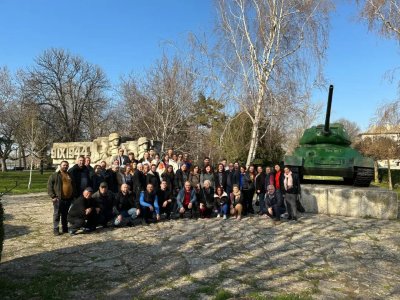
{"points": [[318, 257]]}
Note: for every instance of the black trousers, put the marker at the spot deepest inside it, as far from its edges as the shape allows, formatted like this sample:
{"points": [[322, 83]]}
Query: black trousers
{"points": [[61, 208], [90, 221], [248, 201]]}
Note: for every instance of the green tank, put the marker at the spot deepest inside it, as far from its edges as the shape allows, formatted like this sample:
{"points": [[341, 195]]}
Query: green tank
{"points": [[325, 150]]}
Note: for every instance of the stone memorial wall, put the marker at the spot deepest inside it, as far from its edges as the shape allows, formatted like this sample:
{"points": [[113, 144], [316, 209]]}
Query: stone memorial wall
{"points": [[102, 148]]}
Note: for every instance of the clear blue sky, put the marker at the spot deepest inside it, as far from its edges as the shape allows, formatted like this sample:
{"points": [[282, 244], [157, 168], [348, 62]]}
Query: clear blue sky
{"points": [[126, 36]]}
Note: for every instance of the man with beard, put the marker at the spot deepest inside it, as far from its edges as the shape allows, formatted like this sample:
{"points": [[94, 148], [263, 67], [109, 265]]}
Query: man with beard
{"points": [[60, 188]]}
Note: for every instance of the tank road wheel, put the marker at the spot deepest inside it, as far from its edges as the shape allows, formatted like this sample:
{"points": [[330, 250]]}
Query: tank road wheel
{"points": [[363, 177]]}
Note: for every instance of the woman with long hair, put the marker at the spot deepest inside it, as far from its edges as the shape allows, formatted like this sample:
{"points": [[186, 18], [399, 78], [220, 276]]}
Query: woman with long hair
{"points": [[236, 202], [221, 202]]}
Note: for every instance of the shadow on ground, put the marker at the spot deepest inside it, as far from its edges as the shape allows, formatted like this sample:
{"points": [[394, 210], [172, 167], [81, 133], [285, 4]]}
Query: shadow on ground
{"points": [[318, 257]]}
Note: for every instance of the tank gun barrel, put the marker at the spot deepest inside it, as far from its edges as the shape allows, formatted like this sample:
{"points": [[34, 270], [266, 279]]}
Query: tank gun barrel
{"points": [[328, 111]]}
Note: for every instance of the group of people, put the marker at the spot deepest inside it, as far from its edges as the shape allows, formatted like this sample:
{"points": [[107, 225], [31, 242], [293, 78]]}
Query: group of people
{"points": [[85, 197]]}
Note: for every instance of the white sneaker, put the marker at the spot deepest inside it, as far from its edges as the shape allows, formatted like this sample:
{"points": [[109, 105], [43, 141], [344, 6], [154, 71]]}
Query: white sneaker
{"points": [[224, 217], [218, 216]]}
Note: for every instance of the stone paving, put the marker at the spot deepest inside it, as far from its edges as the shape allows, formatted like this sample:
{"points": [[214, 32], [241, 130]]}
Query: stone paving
{"points": [[318, 257]]}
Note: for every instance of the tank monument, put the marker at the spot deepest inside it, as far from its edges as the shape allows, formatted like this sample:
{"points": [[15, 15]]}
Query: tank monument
{"points": [[325, 150]]}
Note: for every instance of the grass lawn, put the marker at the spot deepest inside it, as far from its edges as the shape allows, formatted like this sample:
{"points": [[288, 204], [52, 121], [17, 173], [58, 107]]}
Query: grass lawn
{"points": [[39, 182]]}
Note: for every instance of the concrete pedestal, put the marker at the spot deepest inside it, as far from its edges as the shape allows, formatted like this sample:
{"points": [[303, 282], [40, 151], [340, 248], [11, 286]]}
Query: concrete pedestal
{"points": [[350, 201]]}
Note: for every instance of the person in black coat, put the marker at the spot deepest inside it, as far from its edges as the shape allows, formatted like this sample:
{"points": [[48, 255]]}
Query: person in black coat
{"points": [[114, 179], [83, 212], [97, 178], [220, 177], [154, 178], [81, 177], [260, 189], [136, 180], [126, 207], [229, 183], [165, 199], [236, 175], [275, 205], [105, 201], [181, 176], [169, 177]]}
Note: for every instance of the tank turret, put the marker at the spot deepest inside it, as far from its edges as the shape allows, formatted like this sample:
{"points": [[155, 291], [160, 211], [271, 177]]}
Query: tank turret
{"points": [[325, 151], [328, 133]]}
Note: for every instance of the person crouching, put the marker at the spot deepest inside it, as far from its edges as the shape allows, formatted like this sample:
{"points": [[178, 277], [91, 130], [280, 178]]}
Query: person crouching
{"points": [[126, 207], [221, 202], [149, 204], [83, 213], [186, 199]]}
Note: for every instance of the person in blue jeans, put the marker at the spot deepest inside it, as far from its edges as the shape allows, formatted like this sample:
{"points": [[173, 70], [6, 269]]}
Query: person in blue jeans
{"points": [[149, 204], [274, 203], [221, 202], [126, 207]]}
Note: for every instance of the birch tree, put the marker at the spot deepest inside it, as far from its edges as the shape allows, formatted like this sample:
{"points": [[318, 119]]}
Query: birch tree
{"points": [[270, 47], [382, 16]]}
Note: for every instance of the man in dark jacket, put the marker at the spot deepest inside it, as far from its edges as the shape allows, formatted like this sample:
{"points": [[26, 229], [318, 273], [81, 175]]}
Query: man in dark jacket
{"points": [[149, 204], [60, 189], [83, 213], [136, 181], [114, 179], [274, 204], [105, 200], [153, 177], [127, 207], [236, 174], [80, 176], [165, 199]]}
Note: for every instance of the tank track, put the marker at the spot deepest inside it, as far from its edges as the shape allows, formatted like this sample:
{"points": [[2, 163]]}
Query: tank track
{"points": [[363, 177]]}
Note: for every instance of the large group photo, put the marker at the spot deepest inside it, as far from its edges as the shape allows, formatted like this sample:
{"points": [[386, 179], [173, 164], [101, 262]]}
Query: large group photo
{"points": [[199, 150], [128, 189]]}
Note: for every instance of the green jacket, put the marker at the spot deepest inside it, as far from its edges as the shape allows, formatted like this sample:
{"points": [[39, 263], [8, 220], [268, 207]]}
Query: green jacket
{"points": [[54, 185]]}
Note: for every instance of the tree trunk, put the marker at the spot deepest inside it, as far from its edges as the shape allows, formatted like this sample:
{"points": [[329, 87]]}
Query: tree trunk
{"points": [[23, 158], [389, 176], [3, 165], [376, 171], [30, 174], [254, 133], [19, 156]]}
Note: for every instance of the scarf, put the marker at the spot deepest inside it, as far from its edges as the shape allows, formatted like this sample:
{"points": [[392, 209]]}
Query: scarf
{"points": [[236, 195], [288, 181]]}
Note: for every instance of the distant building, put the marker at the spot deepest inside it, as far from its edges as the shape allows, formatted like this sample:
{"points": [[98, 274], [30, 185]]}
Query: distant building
{"points": [[392, 132]]}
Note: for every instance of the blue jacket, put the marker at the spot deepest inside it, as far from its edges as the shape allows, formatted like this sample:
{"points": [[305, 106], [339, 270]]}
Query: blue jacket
{"points": [[181, 196], [146, 200]]}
